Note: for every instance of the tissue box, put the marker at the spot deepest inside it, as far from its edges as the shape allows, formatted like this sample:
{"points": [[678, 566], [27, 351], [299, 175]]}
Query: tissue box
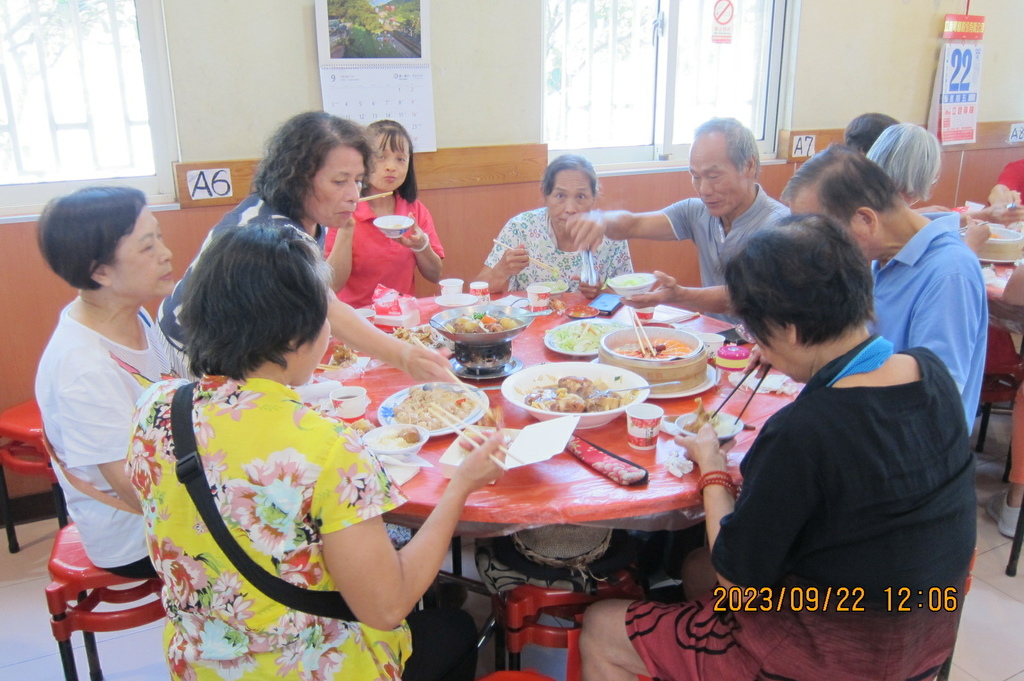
{"points": [[408, 319]]}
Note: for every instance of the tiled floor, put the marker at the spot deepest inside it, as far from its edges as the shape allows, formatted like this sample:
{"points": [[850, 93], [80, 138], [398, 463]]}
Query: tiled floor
{"points": [[990, 645]]}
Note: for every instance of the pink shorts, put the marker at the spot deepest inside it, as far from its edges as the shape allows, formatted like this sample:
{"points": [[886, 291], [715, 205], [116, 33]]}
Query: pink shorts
{"points": [[690, 641]]}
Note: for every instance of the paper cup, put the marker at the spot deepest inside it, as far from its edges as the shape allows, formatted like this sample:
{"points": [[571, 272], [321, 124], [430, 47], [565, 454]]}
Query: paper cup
{"points": [[366, 313], [645, 314], [481, 290], [349, 403], [643, 423], [539, 297], [713, 341], [450, 287]]}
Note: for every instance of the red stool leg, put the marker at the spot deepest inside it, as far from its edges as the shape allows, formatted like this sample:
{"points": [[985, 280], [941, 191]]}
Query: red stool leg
{"points": [[5, 509]]}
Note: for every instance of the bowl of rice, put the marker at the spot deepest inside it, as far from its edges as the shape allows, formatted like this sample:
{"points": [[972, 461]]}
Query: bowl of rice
{"points": [[398, 441]]}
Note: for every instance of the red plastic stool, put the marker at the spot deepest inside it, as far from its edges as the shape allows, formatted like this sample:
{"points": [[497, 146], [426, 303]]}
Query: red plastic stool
{"points": [[25, 454], [517, 613], [78, 587]]}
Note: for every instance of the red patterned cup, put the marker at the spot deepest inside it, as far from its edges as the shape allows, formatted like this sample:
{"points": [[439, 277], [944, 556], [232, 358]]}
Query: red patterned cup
{"points": [[539, 297], [645, 314], [643, 423], [481, 290]]}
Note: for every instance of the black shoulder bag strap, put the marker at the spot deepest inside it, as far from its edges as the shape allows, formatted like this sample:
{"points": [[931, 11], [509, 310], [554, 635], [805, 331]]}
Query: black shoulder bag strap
{"points": [[191, 474]]}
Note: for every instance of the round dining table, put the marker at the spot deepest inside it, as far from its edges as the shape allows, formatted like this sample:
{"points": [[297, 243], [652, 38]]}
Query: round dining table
{"points": [[563, 489]]}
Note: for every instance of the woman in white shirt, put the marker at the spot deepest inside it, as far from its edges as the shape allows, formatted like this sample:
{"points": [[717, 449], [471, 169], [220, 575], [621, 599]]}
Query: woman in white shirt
{"points": [[105, 351]]}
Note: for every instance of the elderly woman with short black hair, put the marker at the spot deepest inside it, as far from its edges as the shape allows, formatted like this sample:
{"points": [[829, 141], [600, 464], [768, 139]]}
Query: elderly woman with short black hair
{"points": [[105, 351], [857, 500], [312, 174], [569, 188], [296, 489]]}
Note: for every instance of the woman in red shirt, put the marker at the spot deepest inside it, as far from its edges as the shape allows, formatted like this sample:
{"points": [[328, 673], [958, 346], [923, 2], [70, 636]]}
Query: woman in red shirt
{"points": [[370, 258]]}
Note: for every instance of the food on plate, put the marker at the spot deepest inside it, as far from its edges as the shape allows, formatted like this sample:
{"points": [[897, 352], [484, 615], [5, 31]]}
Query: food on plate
{"points": [[627, 280], [481, 322], [415, 409], [342, 356], [362, 426], [558, 305], [726, 426], [424, 334], [396, 441], [576, 395], [581, 337], [615, 468], [701, 417], [663, 349]]}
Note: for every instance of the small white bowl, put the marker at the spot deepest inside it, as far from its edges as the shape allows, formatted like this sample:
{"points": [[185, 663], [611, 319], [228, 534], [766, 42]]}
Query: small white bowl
{"points": [[371, 440], [393, 226], [727, 426], [555, 286], [627, 285]]}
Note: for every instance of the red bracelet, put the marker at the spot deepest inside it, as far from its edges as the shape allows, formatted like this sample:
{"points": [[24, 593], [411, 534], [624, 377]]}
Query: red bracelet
{"points": [[718, 478]]}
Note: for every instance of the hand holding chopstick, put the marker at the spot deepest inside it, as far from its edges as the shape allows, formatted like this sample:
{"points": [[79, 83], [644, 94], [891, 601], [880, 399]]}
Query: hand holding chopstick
{"points": [[543, 265]]}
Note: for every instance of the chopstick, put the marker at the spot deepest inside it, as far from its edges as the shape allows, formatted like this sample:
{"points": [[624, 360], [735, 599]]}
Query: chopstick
{"points": [[733, 391], [461, 430], [551, 268], [375, 196], [756, 388], [641, 336]]}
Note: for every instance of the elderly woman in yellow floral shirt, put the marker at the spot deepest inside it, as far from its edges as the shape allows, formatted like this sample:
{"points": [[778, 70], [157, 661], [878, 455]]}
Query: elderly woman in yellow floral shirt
{"points": [[296, 490]]}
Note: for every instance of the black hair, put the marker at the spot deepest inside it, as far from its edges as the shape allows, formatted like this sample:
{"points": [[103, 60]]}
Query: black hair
{"points": [[804, 270], [845, 181], [568, 162], [392, 134], [863, 130], [80, 232], [297, 151], [256, 293]]}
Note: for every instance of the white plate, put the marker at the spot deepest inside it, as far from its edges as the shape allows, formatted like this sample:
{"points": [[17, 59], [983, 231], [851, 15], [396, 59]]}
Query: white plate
{"points": [[386, 411], [710, 381], [456, 300], [549, 341]]}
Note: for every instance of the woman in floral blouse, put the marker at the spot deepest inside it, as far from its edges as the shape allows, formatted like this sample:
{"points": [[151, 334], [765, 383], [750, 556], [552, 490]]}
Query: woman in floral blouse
{"points": [[569, 187], [295, 488]]}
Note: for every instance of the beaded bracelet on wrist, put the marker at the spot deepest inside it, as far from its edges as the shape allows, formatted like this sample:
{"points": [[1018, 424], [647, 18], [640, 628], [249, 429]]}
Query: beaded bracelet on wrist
{"points": [[425, 246], [718, 478]]}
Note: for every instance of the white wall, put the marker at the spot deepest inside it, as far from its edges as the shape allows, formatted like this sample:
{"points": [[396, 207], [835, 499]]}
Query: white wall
{"points": [[881, 55], [241, 67]]}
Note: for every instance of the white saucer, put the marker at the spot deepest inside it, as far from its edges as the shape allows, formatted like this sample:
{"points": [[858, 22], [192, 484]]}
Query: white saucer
{"points": [[456, 300], [710, 381]]}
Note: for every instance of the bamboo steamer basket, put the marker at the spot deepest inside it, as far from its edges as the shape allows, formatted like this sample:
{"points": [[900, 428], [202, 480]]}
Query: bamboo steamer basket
{"points": [[690, 371]]}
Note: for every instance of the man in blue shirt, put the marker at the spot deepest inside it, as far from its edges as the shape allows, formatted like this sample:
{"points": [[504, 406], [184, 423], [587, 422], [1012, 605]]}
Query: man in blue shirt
{"points": [[731, 205], [929, 290]]}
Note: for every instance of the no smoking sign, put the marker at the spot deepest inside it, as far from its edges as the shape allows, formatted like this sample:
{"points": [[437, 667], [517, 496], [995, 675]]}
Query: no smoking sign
{"points": [[724, 13]]}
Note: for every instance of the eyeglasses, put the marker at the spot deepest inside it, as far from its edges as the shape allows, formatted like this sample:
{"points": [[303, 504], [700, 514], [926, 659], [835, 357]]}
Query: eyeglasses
{"points": [[745, 334]]}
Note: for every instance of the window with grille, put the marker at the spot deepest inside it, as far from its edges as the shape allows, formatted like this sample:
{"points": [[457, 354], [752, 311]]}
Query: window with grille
{"points": [[630, 80], [78, 84]]}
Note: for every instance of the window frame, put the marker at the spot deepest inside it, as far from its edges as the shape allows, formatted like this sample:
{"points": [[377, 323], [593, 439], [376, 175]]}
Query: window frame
{"points": [[662, 153], [18, 201]]}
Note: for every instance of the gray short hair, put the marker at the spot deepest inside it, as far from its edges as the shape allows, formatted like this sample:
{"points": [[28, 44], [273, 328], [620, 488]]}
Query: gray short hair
{"points": [[568, 162], [911, 156], [741, 142]]}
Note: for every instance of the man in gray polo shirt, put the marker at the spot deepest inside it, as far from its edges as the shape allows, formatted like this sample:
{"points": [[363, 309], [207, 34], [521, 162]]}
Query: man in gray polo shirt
{"points": [[724, 164]]}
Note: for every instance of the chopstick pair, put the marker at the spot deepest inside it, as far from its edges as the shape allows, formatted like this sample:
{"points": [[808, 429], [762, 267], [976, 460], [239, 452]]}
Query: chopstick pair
{"points": [[641, 335], [461, 429], [375, 196], [728, 397], [551, 268]]}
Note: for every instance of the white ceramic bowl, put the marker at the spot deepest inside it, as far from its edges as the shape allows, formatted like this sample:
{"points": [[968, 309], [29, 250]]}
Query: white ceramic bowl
{"points": [[393, 226], [516, 387], [627, 285], [728, 427], [372, 439]]}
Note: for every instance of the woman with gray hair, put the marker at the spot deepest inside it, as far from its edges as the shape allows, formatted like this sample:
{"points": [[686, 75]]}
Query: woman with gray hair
{"points": [[569, 187], [912, 157]]}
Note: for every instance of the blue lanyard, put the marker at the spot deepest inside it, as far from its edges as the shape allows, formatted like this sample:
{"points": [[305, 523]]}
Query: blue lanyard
{"points": [[872, 356]]}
